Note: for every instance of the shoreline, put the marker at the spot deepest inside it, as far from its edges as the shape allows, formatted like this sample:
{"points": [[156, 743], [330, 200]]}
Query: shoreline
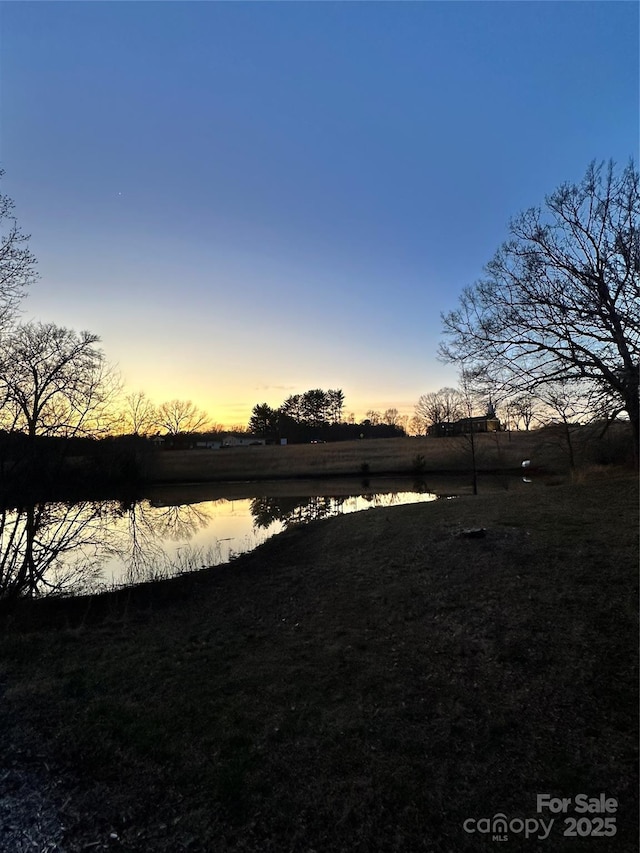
{"points": [[378, 662]]}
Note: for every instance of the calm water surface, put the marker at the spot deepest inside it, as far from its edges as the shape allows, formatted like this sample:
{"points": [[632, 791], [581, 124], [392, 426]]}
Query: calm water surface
{"points": [[91, 545]]}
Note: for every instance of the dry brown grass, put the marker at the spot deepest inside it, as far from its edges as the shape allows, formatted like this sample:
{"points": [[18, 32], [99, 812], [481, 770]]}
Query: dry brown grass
{"points": [[376, 456], [362, 684]]}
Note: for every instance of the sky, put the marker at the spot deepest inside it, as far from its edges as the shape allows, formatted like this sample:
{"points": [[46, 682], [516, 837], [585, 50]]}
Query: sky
{"points": [[247, 200]]}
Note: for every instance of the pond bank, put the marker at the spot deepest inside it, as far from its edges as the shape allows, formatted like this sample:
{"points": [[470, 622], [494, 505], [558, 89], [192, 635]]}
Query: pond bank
{"points": [[366, 683]]}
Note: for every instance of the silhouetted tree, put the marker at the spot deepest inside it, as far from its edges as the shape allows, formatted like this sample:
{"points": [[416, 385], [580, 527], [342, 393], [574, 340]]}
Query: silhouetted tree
{"points": [[335, 404], [567, 405], [293, 408], [561, 299], [264, 421], [34, 540], [437, 407], [315, 406], [17, 264], [468, 395], [140, 415], [181, 416], [55, 381], [390, 417], [417, 425], [523, 409], [237, 429]]}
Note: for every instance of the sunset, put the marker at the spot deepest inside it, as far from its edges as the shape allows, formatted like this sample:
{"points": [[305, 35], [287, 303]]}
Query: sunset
{"points": [[248, 200], [319, 426]]}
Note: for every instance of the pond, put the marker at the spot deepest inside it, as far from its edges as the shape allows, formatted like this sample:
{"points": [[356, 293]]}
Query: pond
{"points": [[89, 546]]}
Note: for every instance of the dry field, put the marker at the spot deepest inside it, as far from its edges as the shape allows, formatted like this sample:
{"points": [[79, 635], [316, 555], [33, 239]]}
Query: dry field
{"points": [[376, 456]]}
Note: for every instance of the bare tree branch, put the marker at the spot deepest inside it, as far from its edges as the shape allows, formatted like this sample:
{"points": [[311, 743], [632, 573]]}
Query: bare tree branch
{"points": [[560, 300], [55, 381], [181, 416], [17, 263]]}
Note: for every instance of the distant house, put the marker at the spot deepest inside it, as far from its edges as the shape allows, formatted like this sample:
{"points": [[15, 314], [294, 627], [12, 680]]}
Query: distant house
{"points": [[208, 445], [482, 423], [157, 441], [232, 440]]}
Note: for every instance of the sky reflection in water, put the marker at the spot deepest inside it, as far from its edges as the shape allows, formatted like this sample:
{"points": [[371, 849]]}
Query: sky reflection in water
{"points": [[62, 549]]}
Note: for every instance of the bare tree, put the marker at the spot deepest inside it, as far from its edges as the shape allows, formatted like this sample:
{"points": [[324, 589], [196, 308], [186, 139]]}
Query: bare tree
{"points": [[139, 414], [567, 405], [561, 299], [51, 548], [17, 264], [417, 425], [469, 394], [443, 406], [428, 410], [181, 416], [57, 548], [523, 409], [391, 417], [511, 417], [55, 381]]}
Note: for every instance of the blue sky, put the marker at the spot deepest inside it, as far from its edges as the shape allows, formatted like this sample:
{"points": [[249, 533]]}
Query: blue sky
{"points": [[247, 200]]}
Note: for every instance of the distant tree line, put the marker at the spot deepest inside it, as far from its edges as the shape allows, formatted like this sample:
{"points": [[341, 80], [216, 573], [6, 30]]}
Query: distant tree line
{"points": [[317, 415], [140, 416], [569, 404]]}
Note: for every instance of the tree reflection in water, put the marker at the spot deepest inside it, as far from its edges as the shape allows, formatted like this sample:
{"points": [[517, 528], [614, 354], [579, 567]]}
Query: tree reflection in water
{"points": [[148, 527], [292, 510], [35, 539], [68, 549], [61, 549], [300, 510]]}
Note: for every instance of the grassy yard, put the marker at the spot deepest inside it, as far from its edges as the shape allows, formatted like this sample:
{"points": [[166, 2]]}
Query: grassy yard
{"points": [[367, 683]]}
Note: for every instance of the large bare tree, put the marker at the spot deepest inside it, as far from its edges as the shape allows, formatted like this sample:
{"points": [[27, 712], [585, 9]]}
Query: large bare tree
{"points": [[139, 414], [54, 381], [181, 416], [522, 409], [560, 300], [437, 407]]}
